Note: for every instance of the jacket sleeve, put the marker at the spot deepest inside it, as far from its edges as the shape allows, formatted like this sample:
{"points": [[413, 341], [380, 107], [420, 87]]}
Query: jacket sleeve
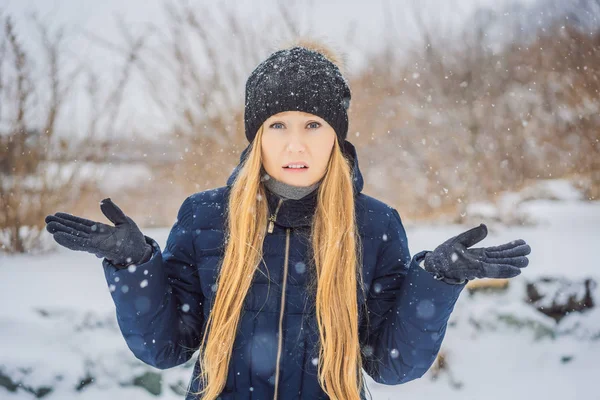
{"points": [[408, 312], [159, 303]]}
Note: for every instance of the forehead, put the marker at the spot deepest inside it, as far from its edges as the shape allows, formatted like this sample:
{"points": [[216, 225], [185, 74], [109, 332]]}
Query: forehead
{"points": [[293, 115]]}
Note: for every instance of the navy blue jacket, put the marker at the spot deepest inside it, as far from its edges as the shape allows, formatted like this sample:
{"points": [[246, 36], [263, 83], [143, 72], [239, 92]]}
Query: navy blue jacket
{"points": [[162, 305]]}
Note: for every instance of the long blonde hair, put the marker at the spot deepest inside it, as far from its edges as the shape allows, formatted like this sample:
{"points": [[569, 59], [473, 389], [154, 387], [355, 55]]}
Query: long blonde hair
{"points": [[338, 262]]}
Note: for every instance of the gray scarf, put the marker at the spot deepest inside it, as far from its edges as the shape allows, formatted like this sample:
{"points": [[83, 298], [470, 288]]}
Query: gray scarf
{"points": [[286, 191]]}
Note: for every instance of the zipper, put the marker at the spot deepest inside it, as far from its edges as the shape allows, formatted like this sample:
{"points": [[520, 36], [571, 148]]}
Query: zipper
{"points": [[273, 217], [280, 341]]}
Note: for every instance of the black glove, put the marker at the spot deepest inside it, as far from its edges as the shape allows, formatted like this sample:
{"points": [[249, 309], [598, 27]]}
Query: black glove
{"points": [[123, 244], [453, 261]]}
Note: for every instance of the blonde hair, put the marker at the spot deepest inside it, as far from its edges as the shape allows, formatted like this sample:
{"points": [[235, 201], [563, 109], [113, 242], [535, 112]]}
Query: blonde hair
{"points": [[337, 260]]}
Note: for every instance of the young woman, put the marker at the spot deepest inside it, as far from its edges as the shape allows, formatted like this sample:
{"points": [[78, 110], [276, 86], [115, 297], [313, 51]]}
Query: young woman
{"points": [[289, 279]]}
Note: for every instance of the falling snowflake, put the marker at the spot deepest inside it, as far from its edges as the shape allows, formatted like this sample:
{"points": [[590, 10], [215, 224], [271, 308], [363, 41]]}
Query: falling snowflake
{"points": [[300, 267], [425, 309]]}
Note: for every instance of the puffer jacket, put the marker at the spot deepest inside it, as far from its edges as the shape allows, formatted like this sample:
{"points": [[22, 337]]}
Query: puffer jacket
{"points": [[162, 305]]}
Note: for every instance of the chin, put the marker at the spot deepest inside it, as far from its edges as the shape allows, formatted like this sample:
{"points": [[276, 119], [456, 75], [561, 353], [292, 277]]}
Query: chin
{"points": [[300, 181]]}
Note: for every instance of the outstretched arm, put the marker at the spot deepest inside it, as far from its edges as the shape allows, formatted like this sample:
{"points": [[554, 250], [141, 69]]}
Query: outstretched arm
{"points": [[159, 302]]}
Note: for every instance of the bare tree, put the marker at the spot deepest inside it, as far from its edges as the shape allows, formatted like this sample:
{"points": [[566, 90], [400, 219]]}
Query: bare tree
{"points": [[40, 167]]}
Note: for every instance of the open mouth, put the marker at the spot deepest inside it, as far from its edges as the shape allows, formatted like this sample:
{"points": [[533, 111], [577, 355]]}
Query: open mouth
{"points": [[296, 166], [295, 170]]}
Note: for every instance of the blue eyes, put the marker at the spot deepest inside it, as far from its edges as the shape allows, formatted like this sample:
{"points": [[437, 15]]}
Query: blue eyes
{"points": [[279, 125]]}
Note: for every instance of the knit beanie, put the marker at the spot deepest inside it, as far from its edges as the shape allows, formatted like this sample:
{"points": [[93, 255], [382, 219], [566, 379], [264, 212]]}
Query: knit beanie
{"points": [[297, 79]]}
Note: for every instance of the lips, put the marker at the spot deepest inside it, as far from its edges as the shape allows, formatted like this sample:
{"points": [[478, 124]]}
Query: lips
{"points": [[295, 170], [296, 163]]}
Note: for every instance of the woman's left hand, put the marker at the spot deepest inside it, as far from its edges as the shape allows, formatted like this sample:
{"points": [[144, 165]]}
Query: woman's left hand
{"points": [[454, 260]]}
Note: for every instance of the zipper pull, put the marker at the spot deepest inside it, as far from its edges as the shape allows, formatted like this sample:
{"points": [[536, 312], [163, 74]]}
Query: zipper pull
{"points": [[273, 217], [270, 225]]}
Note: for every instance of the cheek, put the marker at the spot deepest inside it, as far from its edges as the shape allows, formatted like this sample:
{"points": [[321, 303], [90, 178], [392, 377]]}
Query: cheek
{"points": [[266, 148], [321, 156], [269, 148], [324, 149]]}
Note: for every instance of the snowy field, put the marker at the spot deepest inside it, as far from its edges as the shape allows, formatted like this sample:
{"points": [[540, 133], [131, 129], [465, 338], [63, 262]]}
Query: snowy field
{"points": [[59, 334]]}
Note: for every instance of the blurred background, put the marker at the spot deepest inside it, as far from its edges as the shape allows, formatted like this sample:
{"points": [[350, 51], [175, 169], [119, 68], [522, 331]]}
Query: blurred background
{"points": [[462, 112]]}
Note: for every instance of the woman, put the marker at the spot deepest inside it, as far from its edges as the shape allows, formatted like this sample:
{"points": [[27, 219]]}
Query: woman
{"points": [[289, 279]]}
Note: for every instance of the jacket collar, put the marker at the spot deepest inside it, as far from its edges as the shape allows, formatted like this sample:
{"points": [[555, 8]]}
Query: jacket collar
{"points": [[294, 213]]}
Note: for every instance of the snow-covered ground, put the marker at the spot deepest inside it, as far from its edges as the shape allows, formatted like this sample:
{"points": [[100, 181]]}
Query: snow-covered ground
{"points": [[58, 328]]}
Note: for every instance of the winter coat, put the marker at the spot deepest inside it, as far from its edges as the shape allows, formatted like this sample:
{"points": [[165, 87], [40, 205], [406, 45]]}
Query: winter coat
{"points": [[163, 304]]}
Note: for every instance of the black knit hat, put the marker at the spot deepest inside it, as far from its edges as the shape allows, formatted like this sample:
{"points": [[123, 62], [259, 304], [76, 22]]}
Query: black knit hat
{"points": [[297, 79]]}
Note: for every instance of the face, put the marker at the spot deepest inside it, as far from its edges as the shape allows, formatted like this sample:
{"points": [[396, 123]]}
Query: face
{"points": [[295, 137]]}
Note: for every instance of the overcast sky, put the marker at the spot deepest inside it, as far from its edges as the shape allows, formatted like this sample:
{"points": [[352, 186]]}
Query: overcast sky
{"points": [[330, 19]]}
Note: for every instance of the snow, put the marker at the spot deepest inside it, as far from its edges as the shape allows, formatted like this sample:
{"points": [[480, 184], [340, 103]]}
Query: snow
{"points": [[58, 327], [110, 178]]}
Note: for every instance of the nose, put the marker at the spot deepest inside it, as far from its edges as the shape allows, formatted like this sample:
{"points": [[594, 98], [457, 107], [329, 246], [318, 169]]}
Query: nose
{"points": [[296, 143]]}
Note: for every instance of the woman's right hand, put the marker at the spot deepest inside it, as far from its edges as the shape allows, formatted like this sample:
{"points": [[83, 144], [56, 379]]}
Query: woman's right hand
{"points": [[122, 244]]}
